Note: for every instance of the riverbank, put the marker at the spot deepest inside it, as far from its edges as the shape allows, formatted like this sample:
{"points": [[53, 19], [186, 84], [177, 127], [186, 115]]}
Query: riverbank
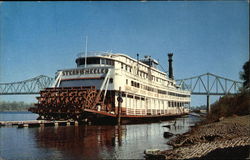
{"points": [[227, 138]]}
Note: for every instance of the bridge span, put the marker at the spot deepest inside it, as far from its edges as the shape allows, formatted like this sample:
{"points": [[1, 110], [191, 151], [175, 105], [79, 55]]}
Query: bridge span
{"points": [[29, 86], [209, 84]]}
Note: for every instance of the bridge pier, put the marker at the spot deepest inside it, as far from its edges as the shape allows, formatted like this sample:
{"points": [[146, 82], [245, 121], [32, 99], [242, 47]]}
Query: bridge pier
{"points": [[208, 104]]}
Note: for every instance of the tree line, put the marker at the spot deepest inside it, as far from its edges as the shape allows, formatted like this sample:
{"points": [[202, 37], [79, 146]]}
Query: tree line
{"points": [[15, 106]]}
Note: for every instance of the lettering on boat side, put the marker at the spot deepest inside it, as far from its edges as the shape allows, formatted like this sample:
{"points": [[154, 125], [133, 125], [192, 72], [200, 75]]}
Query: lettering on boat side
{"points": [[85, 71]]}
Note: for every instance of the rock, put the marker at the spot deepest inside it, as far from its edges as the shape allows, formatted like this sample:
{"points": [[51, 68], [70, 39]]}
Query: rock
{"points": [[201, 140], [151, 151], [153, 154], [221, 118], [167, 134]]}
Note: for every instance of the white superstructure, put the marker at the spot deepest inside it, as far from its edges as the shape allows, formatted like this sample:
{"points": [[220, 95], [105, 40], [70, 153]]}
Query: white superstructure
{"points": [[146, 91]]}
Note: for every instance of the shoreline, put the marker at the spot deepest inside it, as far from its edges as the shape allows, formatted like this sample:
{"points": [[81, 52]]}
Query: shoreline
{"points": [[230, 136], [13, 111]]}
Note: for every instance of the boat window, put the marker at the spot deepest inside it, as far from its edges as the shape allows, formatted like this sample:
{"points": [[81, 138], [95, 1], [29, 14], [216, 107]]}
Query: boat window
{"points": [[103, 61], [90, 60], [81, 82], [130, 96], [136, 97], [135, 84], [94, 60], [109, 62], [111, 80]]}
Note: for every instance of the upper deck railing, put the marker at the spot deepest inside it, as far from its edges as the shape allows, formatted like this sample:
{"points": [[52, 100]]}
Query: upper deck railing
{"points": [[99, 53]]}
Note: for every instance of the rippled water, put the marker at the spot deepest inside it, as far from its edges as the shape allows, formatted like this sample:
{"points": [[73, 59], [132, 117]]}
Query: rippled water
{"points": [[85, 142]]}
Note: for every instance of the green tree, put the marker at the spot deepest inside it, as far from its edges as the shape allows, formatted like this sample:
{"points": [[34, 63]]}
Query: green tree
{"points": [[245, 75]]}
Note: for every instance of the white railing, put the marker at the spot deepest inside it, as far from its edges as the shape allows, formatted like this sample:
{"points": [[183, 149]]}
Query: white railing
{"points": [[99, 53]]}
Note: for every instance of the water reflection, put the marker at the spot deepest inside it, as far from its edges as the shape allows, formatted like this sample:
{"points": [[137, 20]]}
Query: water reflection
{"points": [[95, 142], [82, 141], [89, 142]]}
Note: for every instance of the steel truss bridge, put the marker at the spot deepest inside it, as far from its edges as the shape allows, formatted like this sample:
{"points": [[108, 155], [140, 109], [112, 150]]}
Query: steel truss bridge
{"points": [[205, 84], [29, 86], [209, 84]]}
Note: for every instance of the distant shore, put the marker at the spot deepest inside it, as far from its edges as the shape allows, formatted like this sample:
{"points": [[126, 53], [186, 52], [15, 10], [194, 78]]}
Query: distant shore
{"points": [[13, 111], [228, 138], [14, 106]]}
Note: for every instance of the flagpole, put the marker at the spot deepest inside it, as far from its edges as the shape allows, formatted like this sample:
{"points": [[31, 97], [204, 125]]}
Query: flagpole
{"points": [[86, 48]]}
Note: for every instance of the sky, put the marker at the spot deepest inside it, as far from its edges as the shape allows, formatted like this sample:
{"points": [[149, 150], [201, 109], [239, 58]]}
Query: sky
{"points": [[39, 38]]}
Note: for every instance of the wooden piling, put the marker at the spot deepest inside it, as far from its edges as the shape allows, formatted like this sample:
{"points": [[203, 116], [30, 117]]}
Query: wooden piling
{"points": [[119, 107]]}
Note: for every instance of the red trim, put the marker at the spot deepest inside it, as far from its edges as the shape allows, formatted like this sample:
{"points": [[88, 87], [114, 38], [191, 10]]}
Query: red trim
{"points": [[100, 112], [82, 78]]}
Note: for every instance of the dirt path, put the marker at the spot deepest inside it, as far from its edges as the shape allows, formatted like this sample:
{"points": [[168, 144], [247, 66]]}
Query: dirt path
{"points": [[201, 140]]}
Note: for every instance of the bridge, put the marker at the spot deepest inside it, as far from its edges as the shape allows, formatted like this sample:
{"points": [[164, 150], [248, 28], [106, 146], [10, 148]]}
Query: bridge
{"points": [[209, 84], [29, 86], [205, 84]]}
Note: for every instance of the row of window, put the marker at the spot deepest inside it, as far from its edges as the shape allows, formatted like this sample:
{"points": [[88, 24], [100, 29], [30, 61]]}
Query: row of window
{"points": [[126, 67], [170, 103], [141, 73], [94, 60], [145, 87], [135, 84], [148, 62], [97, 60]]}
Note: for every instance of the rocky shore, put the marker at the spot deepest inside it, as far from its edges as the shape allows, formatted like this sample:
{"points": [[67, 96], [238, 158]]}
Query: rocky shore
{"points": [[229, 138]]}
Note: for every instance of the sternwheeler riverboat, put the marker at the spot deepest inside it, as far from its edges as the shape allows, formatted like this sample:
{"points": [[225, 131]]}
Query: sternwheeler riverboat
{"points": [[106, 86]]}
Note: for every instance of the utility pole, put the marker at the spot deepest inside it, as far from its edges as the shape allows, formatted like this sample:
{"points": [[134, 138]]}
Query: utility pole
{"points": [[208, 104]]}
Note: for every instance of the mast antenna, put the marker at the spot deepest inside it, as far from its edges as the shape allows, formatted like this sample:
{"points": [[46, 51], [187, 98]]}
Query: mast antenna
{"points": [[86, 49]]}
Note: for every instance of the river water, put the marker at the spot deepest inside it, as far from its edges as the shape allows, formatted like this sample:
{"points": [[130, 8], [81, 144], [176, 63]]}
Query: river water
{"points": [[87, 141]]}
